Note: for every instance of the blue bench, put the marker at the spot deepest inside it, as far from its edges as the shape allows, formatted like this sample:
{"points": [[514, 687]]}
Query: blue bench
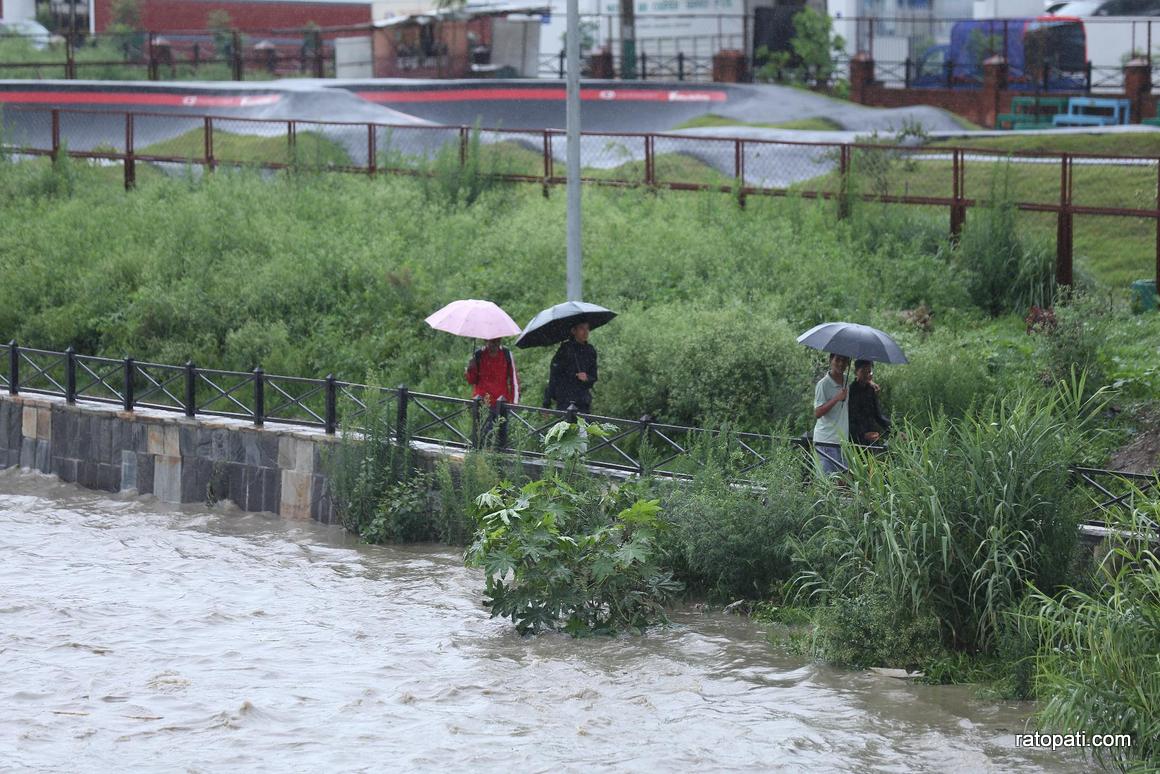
{"points": [[1092, 111]]}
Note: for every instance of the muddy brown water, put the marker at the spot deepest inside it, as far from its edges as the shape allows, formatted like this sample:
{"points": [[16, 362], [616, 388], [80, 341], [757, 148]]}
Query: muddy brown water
{"points": [[138, 636]]}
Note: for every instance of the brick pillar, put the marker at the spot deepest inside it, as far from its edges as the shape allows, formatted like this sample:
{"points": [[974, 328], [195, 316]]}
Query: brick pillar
{"points": [[729, 66], [861, 76], [994, 84], [1138, 88], [600, 65]]}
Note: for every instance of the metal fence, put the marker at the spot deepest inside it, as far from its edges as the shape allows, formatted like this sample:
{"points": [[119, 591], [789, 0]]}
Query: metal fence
{"points": [[1059, 193], [906, 51], [173, 55], [633, 447]]}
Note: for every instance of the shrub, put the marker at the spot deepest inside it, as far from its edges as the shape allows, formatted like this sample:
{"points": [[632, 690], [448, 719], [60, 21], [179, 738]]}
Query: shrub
{"points": [[870, 629], [732, 540], [1098, 665], [559, 557], [959, 521], [1005, 274]]}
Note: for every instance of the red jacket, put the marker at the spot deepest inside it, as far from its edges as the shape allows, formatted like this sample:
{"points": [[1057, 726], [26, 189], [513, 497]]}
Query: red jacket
{"points": [[494, 375]]}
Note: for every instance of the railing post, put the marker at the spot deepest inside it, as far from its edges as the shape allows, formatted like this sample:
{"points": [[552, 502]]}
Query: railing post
{"points": [[330, 415], [70, 58], [463, 137], [739, 170], [55, 155], [209, 162], [949, 72], [844, 183], [475, 404], [236, 62], [1087, 77], [372, 150], [153, 69], [127, 397], [571, 413], [13, 368], [130, 157], [645, 421], [547, 163], [958, 212], [1063, 242], [190, 389], [649, 159], [681, 64], [259, 396], [502, 409], [906, 73], [561, 68], [70, 375], [643, 66], [401, 415]]}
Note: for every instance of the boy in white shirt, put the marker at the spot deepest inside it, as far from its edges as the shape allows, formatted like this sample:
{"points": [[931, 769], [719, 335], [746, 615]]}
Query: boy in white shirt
{"points": [[833, 415]]}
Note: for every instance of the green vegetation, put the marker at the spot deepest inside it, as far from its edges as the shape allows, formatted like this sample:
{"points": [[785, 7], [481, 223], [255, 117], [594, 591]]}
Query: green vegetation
{"points": [[1144, 143], [1099, 660], [563, 552], [816, 123]]}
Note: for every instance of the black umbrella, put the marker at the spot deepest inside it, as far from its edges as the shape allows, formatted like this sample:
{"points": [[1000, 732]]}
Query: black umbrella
{"points": [[555, 323], [858, 342]]}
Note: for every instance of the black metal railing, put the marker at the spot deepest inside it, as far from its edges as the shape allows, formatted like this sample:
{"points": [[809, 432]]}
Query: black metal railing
{"points": [[632, 447]]}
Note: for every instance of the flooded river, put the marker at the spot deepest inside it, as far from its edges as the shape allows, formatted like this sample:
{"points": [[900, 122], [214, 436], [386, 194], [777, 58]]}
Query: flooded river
{"points": [[136, 636]]}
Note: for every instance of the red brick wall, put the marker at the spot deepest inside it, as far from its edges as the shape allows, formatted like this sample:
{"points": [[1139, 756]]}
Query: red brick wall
{"points": [[256, 16]]}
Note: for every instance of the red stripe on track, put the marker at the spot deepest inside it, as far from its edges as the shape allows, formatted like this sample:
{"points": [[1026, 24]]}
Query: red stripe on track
{"points": [[135, 98], [554, 94]]}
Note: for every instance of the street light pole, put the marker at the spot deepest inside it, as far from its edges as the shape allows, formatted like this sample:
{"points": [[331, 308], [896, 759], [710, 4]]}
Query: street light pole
{"points": [[572, 53]]}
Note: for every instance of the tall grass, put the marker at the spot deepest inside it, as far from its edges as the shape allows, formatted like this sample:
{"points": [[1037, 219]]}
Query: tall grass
{"points": [[957, 523], [1098, 666]]}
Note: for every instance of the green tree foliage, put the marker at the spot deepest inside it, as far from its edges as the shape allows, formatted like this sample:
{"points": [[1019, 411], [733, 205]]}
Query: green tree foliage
{"points": [[561, 556], [815, 48]]}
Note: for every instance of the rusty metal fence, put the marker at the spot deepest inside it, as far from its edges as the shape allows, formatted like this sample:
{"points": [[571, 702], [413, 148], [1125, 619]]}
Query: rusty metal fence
{"points": [[1060, 194]]}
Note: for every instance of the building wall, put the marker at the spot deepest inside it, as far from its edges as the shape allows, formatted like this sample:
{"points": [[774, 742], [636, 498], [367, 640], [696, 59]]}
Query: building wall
{"points": [[252, 16]]}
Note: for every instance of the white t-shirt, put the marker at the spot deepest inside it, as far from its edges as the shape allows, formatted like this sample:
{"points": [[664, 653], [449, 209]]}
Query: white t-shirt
{"points": [[833, 426]]}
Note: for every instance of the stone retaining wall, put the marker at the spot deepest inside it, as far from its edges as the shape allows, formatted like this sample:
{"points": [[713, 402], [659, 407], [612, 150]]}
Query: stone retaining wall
{"points": [[175, 458]]}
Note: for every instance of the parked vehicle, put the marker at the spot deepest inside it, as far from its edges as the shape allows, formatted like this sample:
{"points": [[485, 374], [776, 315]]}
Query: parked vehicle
{"points": [[1043, 53]]}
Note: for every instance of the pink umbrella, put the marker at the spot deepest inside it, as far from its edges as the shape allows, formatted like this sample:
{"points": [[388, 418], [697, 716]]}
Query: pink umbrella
{"points": [[474, 319]]}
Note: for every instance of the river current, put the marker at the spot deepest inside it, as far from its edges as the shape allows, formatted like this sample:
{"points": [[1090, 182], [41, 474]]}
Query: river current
{"points": [[138, 636]]}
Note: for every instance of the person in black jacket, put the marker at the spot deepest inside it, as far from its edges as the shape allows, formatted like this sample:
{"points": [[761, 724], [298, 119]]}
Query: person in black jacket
{"points": [[867, 422], [573, 372]]}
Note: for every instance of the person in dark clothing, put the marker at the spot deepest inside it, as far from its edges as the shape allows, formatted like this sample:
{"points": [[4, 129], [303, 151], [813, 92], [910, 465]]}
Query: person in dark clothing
{"points": [[573, 372], [867, 422]]}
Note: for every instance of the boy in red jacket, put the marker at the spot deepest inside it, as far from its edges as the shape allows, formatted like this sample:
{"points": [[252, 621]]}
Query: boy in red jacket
{"points": [[492, 373]]}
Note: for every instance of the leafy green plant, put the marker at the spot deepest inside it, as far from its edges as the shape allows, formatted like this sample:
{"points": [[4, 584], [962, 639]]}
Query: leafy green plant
{"points": [[813, 59], [560, 557], [1098, 665]]}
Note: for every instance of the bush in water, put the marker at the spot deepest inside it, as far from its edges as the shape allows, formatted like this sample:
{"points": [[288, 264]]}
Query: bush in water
{"points": [[557, 556]]}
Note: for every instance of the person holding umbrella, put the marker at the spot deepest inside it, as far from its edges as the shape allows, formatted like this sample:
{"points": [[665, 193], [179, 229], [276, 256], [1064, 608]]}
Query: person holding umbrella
{"points": [[574, 367], [843, 340], [491, 370], [573, 372], [492, 373], [832, 415]]}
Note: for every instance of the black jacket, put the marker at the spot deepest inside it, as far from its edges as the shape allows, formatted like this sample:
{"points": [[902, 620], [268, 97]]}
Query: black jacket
{"points": [[865, 412], [563, 387]]}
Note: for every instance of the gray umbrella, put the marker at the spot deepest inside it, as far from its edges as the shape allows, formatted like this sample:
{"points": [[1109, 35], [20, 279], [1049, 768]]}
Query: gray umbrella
{"points": [[859, 342], [555, 323]]}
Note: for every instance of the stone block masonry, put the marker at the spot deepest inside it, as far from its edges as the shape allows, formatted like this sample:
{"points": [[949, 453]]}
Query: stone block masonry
{"points": [[170, 456]]}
